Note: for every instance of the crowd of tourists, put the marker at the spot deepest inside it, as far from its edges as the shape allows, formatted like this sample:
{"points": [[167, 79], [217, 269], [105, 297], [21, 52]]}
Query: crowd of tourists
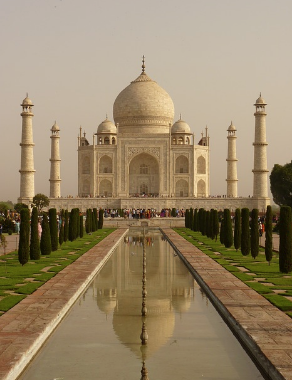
{"points": [[142, 213]]}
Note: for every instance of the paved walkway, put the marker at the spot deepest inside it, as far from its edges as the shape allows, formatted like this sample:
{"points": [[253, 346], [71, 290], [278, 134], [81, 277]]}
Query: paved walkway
{"points": [[264, 329], [25, 327]]}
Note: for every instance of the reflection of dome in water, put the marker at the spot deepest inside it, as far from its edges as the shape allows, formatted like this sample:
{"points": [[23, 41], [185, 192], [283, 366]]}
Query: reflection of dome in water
{"points": [[106, 300], [181, 304], [127, 323]]}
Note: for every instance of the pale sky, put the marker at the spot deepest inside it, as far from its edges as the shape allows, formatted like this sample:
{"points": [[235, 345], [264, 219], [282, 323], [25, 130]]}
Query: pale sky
{"points": [[213, 57]]}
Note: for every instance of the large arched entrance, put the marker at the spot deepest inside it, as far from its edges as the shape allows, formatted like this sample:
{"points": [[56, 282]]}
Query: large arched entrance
{"points": [[144, 176]]}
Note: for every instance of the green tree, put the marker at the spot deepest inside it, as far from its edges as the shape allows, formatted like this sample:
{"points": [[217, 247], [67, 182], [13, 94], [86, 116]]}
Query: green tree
{"points": [[228, 233], [94, 221], [237, 229], [66, 225], [285, 246], [100, 218], [173, 212], [195, 224], [191, 218], [40, 201], [187, 218], [222, 231], [254, 233], [23, 247], [215, 224], [211, 224], [269, 234], [61, 232], [19, 206], [208, 223], [34, 249], [281, 184], [245, 232], [81, 228], [53, 228], [88, 221], [45, 244], [204, 224]]}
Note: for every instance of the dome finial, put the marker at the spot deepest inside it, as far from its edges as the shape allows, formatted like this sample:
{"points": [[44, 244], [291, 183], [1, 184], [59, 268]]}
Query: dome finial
{"points": [[143, 64]]}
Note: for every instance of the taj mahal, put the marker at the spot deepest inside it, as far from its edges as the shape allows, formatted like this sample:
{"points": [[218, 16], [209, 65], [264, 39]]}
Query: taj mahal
{"points": [[145, 159]]}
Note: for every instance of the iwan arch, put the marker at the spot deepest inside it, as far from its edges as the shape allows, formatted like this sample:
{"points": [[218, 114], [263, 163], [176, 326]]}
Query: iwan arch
{"points": [[143, 159]]}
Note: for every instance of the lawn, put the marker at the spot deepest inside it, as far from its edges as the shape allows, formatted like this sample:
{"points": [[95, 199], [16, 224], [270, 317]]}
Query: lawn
{"points": [[265, 279], [17, 281]]}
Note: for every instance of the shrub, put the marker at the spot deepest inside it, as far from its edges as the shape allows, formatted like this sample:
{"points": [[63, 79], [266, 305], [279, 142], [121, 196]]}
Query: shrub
{"points": [[45, 244], [237, 229], [100, 218], [23, 247], [245, 232], [254, 233], [215, 224], [269, 234], [34, 249], [228, 234], [66, 225], [285, 247], [53, 228]]}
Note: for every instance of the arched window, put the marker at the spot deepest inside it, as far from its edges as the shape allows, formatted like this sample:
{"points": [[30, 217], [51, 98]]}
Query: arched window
{"points": [[106, 141], [201, 165], [105, 188], [180, 140], [181, 165], [113, 141], [181, 188], [201, 188], [105, 164]]}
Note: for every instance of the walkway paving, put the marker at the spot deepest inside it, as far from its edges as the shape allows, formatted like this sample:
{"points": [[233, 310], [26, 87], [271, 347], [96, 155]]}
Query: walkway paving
{"points": [[264, 329], [24, 328]]}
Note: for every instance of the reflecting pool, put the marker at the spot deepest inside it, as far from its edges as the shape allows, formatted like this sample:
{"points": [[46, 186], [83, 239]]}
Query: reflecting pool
{"points": [[100, 337]]}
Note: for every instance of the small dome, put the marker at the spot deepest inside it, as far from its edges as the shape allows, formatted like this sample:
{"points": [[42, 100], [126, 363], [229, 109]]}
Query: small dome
{"points": [[180, 126], [260, 101], [107, 126], [231, 127], [55, 127], [26, 102]]}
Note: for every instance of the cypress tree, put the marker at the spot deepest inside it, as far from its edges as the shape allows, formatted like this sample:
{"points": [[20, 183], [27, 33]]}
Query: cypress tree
{"points": [[81, 226], [187, 218], [94, 224], [254, 233], [23, 246], [191, 218], [62, 229], [212, 224], [66, 226], [228, 233], [100, 218], [53, 228], [204, 228], [245, 232], [269, 235], [34, 249], [237, 229], [45, 243], [285, 247], [195, 224], [208, 223], [222, 233], [173, 212], [78, 222], [215, 224], [88, 221]]}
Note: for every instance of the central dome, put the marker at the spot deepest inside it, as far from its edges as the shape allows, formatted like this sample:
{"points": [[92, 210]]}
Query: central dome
{"points": [[143, 103]]}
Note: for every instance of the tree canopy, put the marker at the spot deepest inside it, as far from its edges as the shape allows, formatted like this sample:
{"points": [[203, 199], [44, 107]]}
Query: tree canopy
{"points": [[281, 184], [40, 201]]}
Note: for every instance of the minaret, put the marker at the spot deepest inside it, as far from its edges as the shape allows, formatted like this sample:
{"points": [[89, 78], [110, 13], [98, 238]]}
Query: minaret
{"points": [[27, 163], [260, 171], [55, 181], [231, 162]]}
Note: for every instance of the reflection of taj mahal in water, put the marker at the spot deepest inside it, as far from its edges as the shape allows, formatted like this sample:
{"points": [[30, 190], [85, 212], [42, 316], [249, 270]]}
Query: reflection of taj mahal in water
{"points": [[118, 291], [144, 159]]}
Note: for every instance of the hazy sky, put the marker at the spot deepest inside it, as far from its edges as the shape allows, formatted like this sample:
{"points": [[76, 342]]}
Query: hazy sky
{"points": [[213, 57]]}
